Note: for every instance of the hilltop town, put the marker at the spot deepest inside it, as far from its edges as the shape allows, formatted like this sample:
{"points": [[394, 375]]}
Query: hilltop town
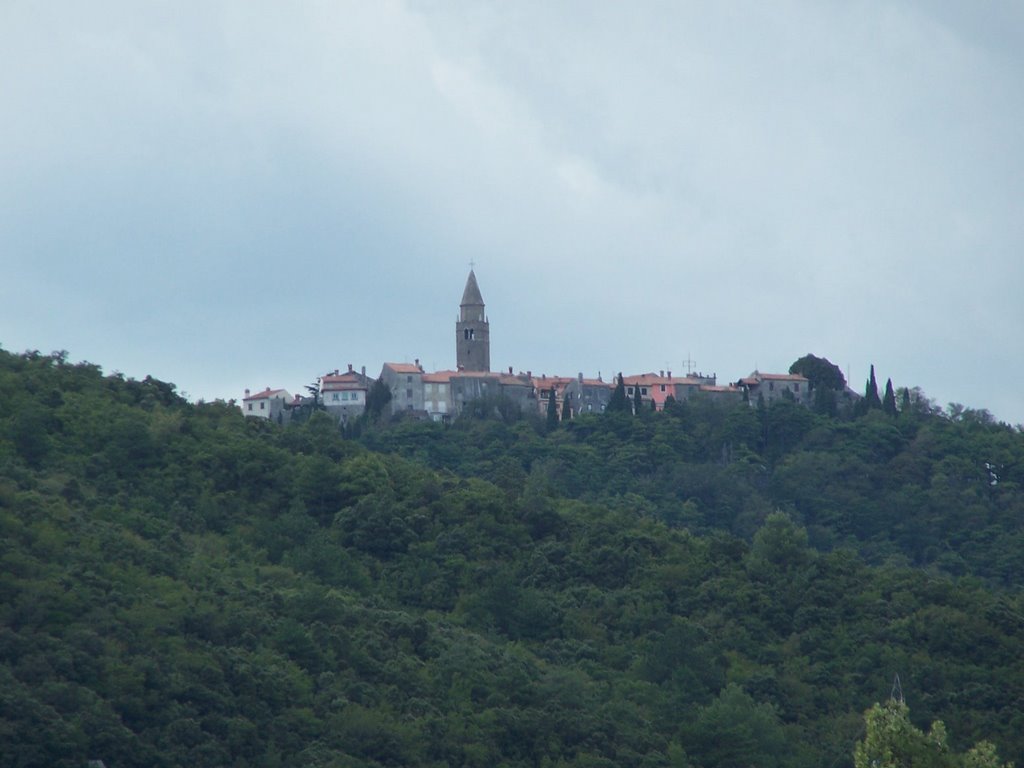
{"points": [[442, 395]]}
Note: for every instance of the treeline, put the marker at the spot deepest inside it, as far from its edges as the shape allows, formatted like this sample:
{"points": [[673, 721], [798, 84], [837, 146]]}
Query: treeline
{"points": [[921, 486], [181, 586]]}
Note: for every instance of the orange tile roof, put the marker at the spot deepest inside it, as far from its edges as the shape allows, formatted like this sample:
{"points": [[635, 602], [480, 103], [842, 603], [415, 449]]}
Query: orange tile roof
{"points": [[342, 378], [404, 367], [649, 379], [438, 377], [266, 394], [547, 382]]}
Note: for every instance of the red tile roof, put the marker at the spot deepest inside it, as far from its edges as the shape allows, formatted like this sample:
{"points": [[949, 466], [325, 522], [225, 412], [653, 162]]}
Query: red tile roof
{"points": [[650, 379], [404, 367], [438, 377], [266, 394]]}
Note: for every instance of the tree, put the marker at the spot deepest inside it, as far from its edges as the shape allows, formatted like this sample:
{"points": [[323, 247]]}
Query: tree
{"points": [[871, 397], [892, 741], [889, 400], [617, 402], [638, 401], [566, 406], [736, 730], [552, 409], [377, 399], [821, 373]]}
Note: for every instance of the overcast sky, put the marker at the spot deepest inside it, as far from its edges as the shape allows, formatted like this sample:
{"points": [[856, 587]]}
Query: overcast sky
{"points": [[241, 194]]}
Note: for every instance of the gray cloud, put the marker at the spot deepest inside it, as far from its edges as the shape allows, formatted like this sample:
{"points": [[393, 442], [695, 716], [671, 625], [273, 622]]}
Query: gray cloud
{"points": [[231, 197]]}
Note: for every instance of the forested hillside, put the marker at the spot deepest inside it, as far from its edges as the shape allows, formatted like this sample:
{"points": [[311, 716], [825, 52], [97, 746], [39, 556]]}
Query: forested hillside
{"points": [[699, 587]]}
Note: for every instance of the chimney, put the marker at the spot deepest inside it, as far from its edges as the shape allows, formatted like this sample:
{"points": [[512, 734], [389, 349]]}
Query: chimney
{"points": [[349, 368], [530, 374], [362, 371], [510, 370], [661, 374], [670, 374], [579, 377], [247, 393]]}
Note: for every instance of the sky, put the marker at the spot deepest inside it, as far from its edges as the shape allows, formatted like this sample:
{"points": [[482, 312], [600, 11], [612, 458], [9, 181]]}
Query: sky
{"points": [[231, 195]]}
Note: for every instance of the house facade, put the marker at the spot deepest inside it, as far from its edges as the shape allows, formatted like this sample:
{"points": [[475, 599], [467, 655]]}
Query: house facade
{"points": [[268, 404], [405, 380], [776, 386], [343, 395], [587, 395]]}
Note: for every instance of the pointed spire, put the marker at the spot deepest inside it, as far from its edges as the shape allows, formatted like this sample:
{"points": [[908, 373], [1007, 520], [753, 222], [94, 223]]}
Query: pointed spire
{"points": [[471, 296]]}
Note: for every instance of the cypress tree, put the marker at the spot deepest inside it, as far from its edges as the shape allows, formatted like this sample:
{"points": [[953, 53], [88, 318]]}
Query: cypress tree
{"points": [[871, 392], [905, 401], [552, 409], [638, 401], [566, 407], [617, 402], [889, 401]]}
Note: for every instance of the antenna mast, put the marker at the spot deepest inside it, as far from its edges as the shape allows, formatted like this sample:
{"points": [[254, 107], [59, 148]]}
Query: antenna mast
{"points": [[897, 690]]}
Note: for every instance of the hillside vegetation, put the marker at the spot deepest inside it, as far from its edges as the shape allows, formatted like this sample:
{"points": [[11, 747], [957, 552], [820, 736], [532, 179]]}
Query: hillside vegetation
{"points": [[699, 587]]}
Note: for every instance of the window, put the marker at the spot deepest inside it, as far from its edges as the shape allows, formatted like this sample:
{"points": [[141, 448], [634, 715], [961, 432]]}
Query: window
{"points": [[263, 406], [344, 396], [335, 396], [796, 387], [408, 379], [643, 390], [771, 386], [250, 406], [629, 391], [662, 387], [408, 394]]}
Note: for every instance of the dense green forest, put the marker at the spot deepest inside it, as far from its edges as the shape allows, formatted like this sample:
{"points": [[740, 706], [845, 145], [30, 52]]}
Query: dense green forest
{"points": [[180, 586]]}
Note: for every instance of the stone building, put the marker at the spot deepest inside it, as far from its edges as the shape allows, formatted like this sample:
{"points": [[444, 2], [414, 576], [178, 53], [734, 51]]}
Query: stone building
{"points": [[268, 404], [472, 331], [343, 395], [775, 386], [405, 380], [587, 395]]}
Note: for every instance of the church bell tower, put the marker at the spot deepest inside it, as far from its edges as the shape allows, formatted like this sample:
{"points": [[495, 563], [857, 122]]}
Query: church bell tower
{"points": [[472, 331]]}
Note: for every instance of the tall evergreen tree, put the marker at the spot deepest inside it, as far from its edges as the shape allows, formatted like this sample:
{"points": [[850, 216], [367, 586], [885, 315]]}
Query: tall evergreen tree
{"points": [[889, 400], [905, 400], [377, 400], [566, 407], [617, 402], [638, 401], [552, 409], [871, 392]]}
